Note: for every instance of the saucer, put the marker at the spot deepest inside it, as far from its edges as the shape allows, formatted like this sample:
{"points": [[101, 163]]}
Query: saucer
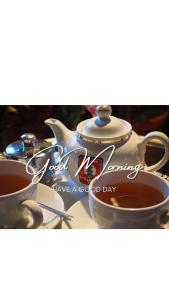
{"points": [[48, 196], [82, 218]]}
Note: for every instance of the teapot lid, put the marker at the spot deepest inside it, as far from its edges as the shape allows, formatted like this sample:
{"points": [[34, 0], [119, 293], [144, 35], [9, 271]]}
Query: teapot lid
{"points": [[26, 147], [104, 128]]}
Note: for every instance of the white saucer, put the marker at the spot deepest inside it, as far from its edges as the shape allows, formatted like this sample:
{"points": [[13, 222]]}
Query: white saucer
{"points": [[82, 217], [48, 196]]}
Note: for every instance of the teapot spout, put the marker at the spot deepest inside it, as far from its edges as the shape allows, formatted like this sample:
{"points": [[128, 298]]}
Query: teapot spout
{"points": [[60, 131]]}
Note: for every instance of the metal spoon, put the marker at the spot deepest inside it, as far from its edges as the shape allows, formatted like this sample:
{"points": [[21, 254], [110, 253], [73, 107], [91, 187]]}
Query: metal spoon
{"points": [[56, 211]]}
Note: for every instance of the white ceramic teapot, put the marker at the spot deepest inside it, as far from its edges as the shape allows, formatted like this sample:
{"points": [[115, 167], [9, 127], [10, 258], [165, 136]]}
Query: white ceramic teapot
{"points": [[109, 144]]}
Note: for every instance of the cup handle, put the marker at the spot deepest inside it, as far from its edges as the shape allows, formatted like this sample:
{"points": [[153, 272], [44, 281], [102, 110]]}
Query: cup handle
{"points": [[142, 149], [36, 212], [164, 219]]}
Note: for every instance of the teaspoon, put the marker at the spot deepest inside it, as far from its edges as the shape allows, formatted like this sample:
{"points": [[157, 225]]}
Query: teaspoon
{"points": [[60, 213]]}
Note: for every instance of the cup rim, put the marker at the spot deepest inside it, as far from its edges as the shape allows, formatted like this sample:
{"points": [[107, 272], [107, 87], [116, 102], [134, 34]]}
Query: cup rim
{"points": [[124, 208], [21, 190]]}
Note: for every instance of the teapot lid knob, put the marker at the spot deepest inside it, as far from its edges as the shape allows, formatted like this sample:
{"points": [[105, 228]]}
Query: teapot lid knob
{"points": [[104, 113], [28, 138]]}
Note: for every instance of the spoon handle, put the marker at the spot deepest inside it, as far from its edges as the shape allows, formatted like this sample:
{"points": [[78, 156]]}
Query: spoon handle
{"points": [[57, 212]]}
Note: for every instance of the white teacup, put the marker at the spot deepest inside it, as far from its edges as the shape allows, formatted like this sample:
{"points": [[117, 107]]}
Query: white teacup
{"points": [[108, 216], [16, 208]]}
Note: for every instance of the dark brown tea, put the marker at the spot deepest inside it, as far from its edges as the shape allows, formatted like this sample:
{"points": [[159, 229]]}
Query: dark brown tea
{"points": [[12, 183], [130, 195]]}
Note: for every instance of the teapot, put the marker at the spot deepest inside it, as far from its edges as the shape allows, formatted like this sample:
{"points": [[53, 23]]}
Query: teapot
{"points": [[107, 143]]}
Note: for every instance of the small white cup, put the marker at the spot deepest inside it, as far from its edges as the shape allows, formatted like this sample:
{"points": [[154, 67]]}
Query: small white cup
{"points": [[108, 216], [16, 207]]}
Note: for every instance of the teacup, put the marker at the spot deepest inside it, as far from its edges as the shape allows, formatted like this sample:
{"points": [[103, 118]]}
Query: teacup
{"points": [[18, 207], [108, 216]]}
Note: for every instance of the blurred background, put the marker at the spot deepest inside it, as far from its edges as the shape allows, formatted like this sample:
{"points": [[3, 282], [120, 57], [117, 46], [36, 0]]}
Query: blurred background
{"points": [[15, 120], [18, 119]]}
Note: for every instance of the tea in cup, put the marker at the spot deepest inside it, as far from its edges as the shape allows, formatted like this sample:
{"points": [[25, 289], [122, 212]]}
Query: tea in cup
{"points": [[116, 201], [17, 196]]}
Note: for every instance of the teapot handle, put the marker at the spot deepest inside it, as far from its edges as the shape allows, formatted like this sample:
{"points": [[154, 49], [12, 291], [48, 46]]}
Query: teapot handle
{"points": [[142, 149]]}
